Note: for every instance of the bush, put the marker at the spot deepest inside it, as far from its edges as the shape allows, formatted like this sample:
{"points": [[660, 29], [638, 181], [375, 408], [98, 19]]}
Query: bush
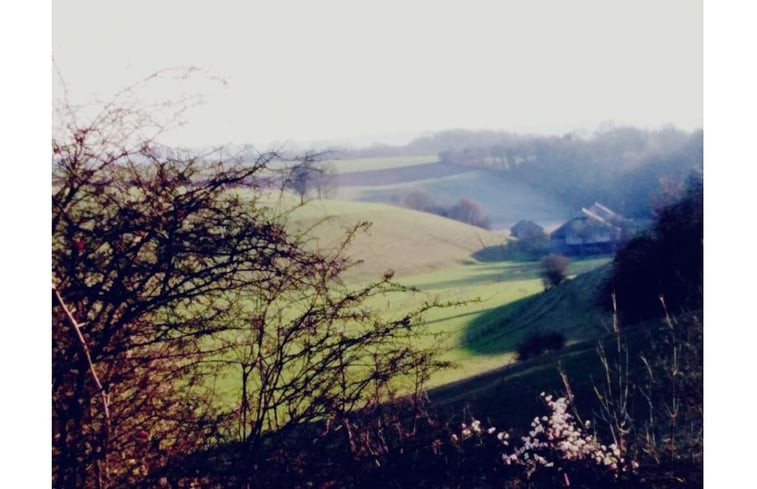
{"points": [[167, 277], [539, 343], [465, 210], [554, 269], [667, 262], [468, 211]]}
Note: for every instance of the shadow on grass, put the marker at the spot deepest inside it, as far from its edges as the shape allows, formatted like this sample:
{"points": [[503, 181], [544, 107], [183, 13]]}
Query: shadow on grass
{"points": [[501, 274], [456, 316], [510, 251], [572, 308]]}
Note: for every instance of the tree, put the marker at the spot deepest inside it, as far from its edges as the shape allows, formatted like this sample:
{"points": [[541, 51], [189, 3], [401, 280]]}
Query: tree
{"points": [[469, 211], [309, 176], [554, 269], [666, 262], [167, 272], [420, 200]]}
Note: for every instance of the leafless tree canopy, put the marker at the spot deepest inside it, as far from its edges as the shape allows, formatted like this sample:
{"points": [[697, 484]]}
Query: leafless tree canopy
{"points": [[170, 278]]}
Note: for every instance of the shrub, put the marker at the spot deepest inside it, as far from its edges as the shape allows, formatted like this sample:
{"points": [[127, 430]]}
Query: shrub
{"points": [[168, 275], [666, 262], [465, 210], [554, 269], [539, 343]]}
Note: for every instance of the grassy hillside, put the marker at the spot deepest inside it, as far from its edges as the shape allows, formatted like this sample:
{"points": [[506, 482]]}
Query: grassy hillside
{"points": [[509, 395], [433, 255], [506, 200], [399, 176], [350, 165], [403, 240], [570, 308]]}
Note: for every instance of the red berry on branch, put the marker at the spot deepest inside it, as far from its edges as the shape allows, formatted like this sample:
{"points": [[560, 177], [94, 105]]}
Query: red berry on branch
{"points": [[142, 434], [78, 244]]}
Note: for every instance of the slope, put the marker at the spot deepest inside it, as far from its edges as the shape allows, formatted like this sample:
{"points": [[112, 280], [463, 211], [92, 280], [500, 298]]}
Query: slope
{"points": [[572, 308], [403, 240], [505, 199]]}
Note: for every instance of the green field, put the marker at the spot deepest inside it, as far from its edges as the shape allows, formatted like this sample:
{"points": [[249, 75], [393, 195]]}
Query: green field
{"points": [[482, 334], [382, 163], [350, 165], [508, 303], [503, 300], [405, 241], [506, 201]]}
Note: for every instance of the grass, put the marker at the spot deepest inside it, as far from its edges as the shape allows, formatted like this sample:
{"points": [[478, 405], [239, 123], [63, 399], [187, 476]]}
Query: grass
{"points": [[507, 303], [492, 291], [406, 241], [381, 163], [506, 201], [570, 308], [433, 255], [509, 396]]}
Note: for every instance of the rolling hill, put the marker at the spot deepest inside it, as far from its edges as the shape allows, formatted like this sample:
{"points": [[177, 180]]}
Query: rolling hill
{"points": [[505, 199], [403, 240], [432, 254]]}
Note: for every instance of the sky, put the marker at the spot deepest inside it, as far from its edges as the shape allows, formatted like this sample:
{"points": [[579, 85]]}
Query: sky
{"points": [[357, 71]]}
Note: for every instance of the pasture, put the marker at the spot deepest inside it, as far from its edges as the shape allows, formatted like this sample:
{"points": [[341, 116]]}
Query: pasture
{"points": [[432, 255], [350, 165], [403, 240], [505, 200]]}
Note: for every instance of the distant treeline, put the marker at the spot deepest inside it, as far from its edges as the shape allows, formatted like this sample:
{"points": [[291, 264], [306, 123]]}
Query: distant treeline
{"points": [[436, 143], [631, 170]]}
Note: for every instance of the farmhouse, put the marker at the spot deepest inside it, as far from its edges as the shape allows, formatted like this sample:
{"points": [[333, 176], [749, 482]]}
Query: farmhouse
{"points": [[595, 230], [525, 229]]}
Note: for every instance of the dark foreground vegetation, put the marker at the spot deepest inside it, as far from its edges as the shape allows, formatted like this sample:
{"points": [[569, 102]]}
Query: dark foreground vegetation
{"points": [[167, 278]]}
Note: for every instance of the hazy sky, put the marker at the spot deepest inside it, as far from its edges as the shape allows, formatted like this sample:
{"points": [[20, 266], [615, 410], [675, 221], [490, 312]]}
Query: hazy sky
{"points": [[343, 69]]}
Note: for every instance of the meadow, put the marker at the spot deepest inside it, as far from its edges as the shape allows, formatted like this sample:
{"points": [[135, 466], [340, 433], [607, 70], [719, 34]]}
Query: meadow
{"points": [[349, 165], [432, 256], [505, 200], [356, 165]]}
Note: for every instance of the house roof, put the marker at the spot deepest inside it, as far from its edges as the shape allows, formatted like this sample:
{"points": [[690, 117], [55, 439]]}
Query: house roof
{"points": [[595, 219], [581, 224], [525, 226]]}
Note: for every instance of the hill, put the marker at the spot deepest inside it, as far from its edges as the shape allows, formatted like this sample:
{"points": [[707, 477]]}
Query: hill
{"points": [[571, 308], [406, 241], [399, 175], [505, 199]]}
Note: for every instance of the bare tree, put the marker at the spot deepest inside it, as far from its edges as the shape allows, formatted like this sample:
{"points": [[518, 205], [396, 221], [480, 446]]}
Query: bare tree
{"points": [[315, 349], [167, 272], [420, 200], [310, 176], [469, 211]]}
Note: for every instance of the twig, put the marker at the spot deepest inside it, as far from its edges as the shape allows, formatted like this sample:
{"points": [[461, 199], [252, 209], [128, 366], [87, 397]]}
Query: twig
{"points": [[103, 393]]}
